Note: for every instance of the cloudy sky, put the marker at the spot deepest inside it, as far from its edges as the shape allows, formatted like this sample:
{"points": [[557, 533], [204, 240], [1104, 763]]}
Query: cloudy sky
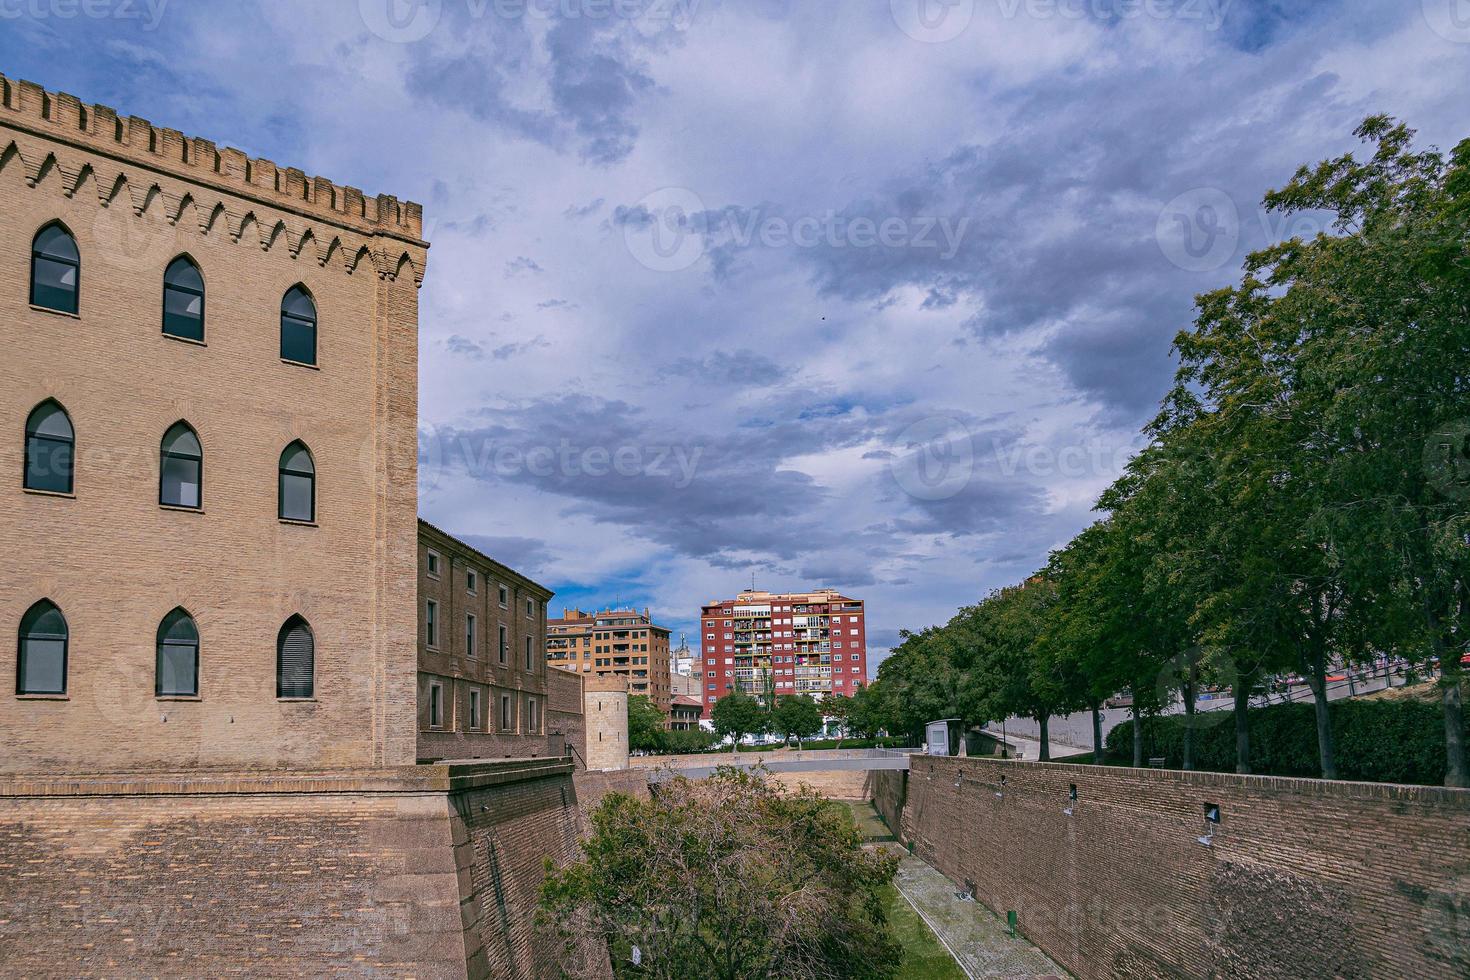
{"points": [[851, 293]]}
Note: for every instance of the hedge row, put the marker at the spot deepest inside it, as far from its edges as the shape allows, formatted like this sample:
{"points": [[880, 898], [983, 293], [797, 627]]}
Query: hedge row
{"points": [[710, 743], [1374, 741]]}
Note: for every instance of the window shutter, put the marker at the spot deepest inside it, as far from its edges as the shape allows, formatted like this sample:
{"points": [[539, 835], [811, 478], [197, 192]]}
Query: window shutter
{"points": [[296, 663]]}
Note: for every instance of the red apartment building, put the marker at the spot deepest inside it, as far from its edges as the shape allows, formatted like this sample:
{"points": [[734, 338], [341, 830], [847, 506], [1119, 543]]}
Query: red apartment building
{"points": [[811, 643]]}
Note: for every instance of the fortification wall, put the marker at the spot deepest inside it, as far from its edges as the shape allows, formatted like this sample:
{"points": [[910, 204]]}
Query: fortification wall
{"points": [[888, 789], [1300, 878], [430, 871], [139, 148]]}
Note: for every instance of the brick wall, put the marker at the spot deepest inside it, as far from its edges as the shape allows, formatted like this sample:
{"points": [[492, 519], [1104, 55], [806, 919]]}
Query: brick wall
{"points": [[887, 789], [461, 667], [429, 871], [1302, 877], [835, 784], [116, 562], [564, 711]]}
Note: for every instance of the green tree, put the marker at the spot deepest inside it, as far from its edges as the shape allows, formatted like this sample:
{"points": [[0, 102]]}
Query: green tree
{"points": [[1093, 627], [737, 715], [870, 713], [730, 878], [796, 716], [1325, 382], [645, 724], [1380, 345], [837, 707]]}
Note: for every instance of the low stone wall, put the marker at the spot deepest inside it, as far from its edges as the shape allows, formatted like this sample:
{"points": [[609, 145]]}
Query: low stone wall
{"points": [[835, 784], [888, 788], [593, 786], [1299, 878], [430, 871]]}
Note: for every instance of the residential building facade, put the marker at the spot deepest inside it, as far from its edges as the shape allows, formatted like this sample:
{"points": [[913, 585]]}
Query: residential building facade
{"points": [[619, 642], [482, 686], [685, 713], [764, 643], [210, 398]]}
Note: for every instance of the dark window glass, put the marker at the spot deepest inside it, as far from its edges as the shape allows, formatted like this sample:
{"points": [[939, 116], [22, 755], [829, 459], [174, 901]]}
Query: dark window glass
{"points": [[295, 660], [181, 468], [41, 654], [178, 656], [50, 449], [297, 490], [56, 270], [298, 327], [183, 300]]}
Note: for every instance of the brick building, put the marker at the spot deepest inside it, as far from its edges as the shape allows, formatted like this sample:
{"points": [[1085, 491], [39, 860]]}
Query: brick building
{"points": [[620, 642], [811, 643], [210, 398], [482, 686], [685, 713]]}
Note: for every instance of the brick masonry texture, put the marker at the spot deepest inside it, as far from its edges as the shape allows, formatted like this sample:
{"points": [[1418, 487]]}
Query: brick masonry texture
{"points": [[429, 871], [1304, 878], [135, 196], [886, 788], [459, 668]]}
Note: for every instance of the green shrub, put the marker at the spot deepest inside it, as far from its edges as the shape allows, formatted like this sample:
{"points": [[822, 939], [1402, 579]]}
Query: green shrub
{"points": [[1375, 741]]}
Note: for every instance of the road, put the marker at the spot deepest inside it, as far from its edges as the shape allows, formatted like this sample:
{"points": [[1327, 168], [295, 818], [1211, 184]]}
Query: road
{"points": [[1076, 729]]}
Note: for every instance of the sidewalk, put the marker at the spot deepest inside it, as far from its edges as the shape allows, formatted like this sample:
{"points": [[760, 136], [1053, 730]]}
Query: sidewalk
{"points": [[1030, 748], [976, 936]]}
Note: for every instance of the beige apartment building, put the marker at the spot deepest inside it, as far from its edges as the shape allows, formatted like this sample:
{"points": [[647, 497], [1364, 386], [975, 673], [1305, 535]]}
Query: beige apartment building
{"points": [[483, 689], [620, 642], [210, 394]]}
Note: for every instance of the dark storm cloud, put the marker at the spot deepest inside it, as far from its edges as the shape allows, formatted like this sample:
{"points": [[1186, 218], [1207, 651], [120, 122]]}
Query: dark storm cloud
{"points": [[525, 555], [594, 78], [785, 375], [715, 496], [734, 369]]}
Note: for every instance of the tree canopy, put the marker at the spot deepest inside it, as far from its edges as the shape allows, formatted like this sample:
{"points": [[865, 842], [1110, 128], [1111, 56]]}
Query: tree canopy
{"points": [[1302, 500], [733, 877]]}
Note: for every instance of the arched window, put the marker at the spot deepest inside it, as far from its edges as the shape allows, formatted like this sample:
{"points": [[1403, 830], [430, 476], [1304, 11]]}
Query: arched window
{"points": [[41, 655], [50, 449], [56, 269], [178, 656], [297, 486], [298, 326], [181, 468], [183, 299], [295, 660]]}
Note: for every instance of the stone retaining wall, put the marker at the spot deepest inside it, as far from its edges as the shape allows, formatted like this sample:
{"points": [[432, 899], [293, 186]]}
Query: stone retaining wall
{"points": [[1299, 878]]}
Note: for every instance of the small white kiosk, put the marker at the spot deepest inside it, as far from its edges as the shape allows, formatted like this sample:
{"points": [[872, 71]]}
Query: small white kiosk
{"points": [[936, 736]]}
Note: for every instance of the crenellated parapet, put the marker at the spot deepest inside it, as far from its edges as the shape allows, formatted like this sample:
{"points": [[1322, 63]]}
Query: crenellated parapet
{"points": [[129, 161]]}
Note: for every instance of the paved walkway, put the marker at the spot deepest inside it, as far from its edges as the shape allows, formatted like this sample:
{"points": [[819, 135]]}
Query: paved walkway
{"points": [[977, 938]]}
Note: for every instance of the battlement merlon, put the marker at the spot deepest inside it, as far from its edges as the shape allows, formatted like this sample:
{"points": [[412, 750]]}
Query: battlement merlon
{"points": [[99, 129]]}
